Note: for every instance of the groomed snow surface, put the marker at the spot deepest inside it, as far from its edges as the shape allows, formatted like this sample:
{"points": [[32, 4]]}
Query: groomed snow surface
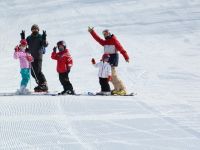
{"points": [[162, 40]]}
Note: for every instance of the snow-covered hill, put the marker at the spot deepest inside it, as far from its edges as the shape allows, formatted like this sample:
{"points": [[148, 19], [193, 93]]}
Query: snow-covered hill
{"points": [[162, 39]]}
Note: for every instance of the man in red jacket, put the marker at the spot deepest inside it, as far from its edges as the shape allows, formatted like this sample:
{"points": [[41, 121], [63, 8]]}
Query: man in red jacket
{"points": [[64, 64], [112, 46]]}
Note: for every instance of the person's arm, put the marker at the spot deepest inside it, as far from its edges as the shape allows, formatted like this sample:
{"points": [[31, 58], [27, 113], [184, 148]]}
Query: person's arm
{"points": [[97, 65], [22, 34], [16, 53], [93, 61], [29, 57], [69, 61], [28, 40], [54, 54], [44, 39], [96, 37], [121, 50]]}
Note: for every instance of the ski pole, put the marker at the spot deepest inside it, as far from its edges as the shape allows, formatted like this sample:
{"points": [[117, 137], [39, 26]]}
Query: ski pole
{"points": [[37, 81], [30, 82]]}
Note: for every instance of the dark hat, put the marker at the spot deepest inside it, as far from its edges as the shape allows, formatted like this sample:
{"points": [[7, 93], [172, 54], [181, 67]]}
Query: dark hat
{"points": [[35, 26], [63, 43], [106, 31]]}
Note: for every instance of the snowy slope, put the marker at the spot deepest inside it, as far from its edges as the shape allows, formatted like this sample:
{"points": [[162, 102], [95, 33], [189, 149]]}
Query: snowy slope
{"points": [[162, 39]]}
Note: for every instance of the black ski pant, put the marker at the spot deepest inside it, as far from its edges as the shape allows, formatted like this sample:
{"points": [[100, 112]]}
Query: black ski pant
{"points": [[105, 87], [36, 72], [64, 80]]}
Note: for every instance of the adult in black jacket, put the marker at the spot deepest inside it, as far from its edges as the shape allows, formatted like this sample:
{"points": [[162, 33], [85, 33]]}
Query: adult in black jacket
{"points": [[36, 46]]}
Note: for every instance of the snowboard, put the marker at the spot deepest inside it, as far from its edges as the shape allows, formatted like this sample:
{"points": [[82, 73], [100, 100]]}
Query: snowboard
{"points": [[28, 94], [97, 94], [55, 93]]}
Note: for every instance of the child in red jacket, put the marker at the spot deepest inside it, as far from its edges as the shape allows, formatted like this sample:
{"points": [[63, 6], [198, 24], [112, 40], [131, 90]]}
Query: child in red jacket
{"points": [[64, 64]]}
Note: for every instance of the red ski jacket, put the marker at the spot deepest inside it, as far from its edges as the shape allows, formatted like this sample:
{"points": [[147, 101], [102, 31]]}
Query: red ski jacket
{"points": [[64, 60], [111, 45]]}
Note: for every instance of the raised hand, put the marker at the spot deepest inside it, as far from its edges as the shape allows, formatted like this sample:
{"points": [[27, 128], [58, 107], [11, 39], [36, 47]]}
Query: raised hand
{"points": [[16, 48], [22, 34], [90, 29], [127, 60], [93, 61], [54, 49], [44, 35]]}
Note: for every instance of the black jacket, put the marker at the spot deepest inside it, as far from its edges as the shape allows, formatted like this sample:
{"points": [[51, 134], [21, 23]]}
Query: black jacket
{"points": [[36, 45]]}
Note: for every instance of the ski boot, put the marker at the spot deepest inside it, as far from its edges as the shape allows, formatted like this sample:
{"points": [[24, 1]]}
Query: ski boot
{"points": [[67, 92], [114, 92], [121, 92], [23, 91], [41, 88], [107, 93]]}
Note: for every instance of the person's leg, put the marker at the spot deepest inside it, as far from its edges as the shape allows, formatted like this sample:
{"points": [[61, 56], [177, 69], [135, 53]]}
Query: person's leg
{"points": [[105, 84], [101, 84], [41, 77], [34, 70], [25, 76], [61, 78], [25, 73], [64, 79], [105, 87], [117, 83]]}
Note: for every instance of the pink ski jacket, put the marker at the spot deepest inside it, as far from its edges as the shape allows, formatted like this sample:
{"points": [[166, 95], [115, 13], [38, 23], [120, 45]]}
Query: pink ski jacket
{"points": [[24, 58]]}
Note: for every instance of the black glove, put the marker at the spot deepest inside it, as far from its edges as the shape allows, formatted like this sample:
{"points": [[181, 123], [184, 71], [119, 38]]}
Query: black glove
{"points": [[54, 49], [44, 35], [68, 70], [22, 34]]}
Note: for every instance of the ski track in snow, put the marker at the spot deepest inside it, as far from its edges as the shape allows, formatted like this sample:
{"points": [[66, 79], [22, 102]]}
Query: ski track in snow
{"points": [[58, 118], [162, 39]]}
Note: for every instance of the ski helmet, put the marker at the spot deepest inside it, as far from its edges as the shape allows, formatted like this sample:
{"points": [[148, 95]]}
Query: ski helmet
{"points": [[106, 31], [106, 34], [61, 43], [23, 42], [105, 56], [35, 26]]}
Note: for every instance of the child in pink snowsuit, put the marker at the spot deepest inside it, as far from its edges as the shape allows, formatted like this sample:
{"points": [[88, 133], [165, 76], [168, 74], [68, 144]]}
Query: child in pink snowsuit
{"points": [[25, 59]]}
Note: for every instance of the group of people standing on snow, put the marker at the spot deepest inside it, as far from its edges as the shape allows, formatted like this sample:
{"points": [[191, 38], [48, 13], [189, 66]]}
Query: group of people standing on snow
{"points": [[30, 53]]}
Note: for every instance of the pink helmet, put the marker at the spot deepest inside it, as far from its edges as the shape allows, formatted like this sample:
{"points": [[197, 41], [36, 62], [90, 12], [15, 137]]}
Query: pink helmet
{"points": [[23, 42]]}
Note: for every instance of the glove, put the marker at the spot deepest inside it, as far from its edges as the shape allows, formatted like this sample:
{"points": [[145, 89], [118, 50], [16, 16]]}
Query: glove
{"points": [[17, 48], [68, 69], [127, 60], [90, 29], [22, 34], [29, 58], [93, 61], [54, 49], [44, 35], [109, 78]]}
